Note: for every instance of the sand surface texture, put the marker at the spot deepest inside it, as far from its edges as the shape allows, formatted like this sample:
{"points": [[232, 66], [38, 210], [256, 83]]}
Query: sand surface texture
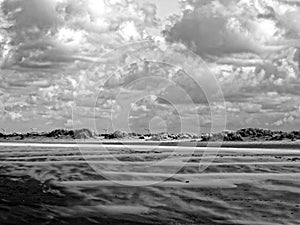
{"points": [[151, 185]]}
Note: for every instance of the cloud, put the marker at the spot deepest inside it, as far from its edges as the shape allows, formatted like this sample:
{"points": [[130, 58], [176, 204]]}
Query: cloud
{"points": [[227, 27], [46, 34], [80, 55], [48, 46], [251, 46]]}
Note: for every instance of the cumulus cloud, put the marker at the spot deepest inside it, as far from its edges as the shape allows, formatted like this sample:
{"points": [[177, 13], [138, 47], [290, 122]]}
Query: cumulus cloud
{"points": [[97, 58], [45, 34], [253, 49], [57, 37], [263, 34], [48, 46], [225, 27]]}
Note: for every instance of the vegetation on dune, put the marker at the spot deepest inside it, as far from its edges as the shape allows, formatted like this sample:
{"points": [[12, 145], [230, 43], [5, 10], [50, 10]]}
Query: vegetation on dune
{"points": [[268, 135], [252, 134], [246, 134], [83, 134], [116, 135], [55, 134]]}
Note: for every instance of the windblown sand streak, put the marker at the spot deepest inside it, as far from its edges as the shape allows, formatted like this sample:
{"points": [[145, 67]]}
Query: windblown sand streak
{"points": [[256, 184]]}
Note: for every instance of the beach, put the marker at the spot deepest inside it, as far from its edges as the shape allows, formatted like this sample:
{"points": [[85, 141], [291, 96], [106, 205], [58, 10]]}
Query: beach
{"points": [[148, 184]]}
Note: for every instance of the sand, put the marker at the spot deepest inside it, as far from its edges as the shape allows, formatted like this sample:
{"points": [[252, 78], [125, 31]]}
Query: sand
{"points": [[142, 184]]}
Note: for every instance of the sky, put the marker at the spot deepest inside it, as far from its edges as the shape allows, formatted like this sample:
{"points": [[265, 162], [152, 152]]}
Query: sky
{"points": [[175, 66]]}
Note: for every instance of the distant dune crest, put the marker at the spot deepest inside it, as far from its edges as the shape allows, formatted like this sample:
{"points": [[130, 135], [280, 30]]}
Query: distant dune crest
{"points": [[242, 135]]}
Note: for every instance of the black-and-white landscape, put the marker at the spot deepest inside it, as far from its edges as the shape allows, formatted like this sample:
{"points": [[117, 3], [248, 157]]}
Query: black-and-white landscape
{"points": [[149, 112]]}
